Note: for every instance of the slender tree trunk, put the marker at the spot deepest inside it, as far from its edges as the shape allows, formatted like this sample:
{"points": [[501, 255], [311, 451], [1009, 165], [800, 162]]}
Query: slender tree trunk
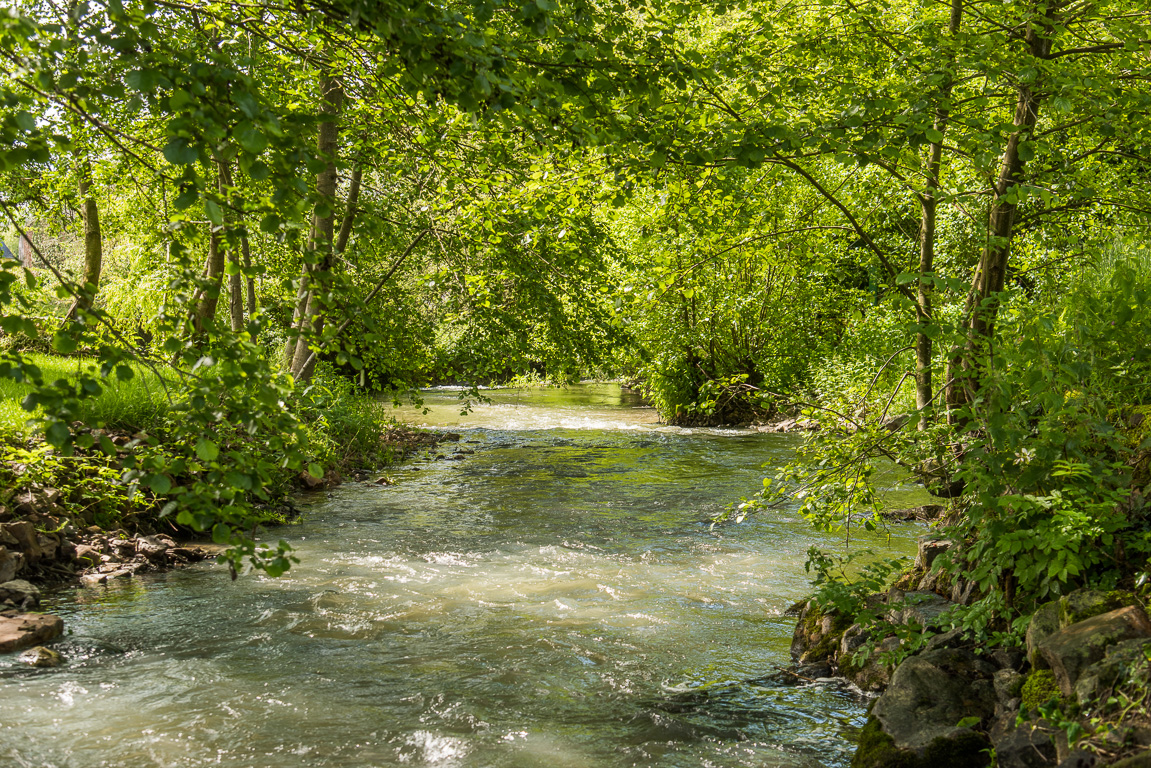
{"points": [[924, 390], [250, 283], [210, 297], [982, 307], [312, 320], [93, 246], [235, 279], [350, 210]]}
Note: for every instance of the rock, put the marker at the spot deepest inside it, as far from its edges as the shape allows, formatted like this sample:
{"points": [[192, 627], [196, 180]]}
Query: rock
{"points": [[1044, 622], [1097, 680], [8, 565], [93, 579], [923, 513], [153, 547], [874, 675], [1141, 760], [87, 555], [41, 657], [28, 629], [49, 546], [1080, 759], [1026, 747], [383, 481], [928, 696], [964, 592], [817, 635], [877, 750], [952, 638], [1008, 658], [894, 423], [1008, 683], [1085, 603], [1071, 650], [930, 547], [923, 608], [23, 533], [20, 593]]}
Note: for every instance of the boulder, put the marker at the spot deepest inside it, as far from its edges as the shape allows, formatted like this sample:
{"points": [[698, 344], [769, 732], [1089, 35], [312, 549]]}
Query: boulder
{"points": [[23, 534], [1044, 623], [153, 547], [929, 695], [41, 657], [28, 629], [930, 547], [1026, 747], [1071, 650], [1141, 760], [19, 593], [87, 555], [1085, 603], [874, 674], [923, 513], [1081, 759], [1121, 660], [923, 608], [1008, 685], [817, 635], [8, 565]]}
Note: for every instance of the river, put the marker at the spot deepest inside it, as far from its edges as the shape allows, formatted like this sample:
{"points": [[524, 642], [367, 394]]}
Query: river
{"points": [[552, 595]]}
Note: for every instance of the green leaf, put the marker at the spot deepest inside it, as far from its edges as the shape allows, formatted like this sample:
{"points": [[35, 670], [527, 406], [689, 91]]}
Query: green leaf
{"points": [[179, 152], [57, 434], [934, 136], [107, 446], [206, 449], [316, 471], [212, 209], [250, 138], [159, 483], [63, 342]]}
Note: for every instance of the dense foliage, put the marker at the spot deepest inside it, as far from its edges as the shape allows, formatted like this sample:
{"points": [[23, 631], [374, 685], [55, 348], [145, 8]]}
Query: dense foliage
{"points": [[913, 208]]}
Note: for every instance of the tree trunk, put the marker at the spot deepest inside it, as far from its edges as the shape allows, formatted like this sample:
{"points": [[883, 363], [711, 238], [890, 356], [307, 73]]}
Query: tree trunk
{"points": [[235, 279], [924, 390], [210, 297], [312, 319], [982, 304], [93, 247], [350, 210]]}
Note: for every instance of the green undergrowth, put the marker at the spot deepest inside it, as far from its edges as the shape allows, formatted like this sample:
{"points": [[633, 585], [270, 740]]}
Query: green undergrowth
{"points": [[133, 462]]}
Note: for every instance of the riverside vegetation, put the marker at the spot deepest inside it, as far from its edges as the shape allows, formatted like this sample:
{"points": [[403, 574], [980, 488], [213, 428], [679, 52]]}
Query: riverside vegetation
{"points": [[918, 226]]}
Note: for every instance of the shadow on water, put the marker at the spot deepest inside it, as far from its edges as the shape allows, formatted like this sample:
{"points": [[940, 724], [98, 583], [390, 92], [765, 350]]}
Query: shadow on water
{"points": [[556, 598]]}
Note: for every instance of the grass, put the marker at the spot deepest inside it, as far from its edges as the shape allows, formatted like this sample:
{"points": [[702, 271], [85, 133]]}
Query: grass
{"points": [[129, 405]]}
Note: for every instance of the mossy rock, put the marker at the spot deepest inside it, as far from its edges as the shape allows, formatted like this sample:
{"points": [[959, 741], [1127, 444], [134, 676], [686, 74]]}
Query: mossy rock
{"points": [[1039, 688], [1083, 604], [817, 635], [876, 749]]}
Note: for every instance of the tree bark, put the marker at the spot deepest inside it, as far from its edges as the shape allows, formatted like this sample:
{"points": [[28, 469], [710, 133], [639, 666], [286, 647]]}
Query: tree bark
{"points": [[982, 305], [210, 297], [924, 389], [312, 319], [93, 247], [235, 279]]}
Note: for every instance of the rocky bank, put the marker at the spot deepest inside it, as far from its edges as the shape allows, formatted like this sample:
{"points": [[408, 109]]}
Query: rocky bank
{"points": [[1074, 697]]}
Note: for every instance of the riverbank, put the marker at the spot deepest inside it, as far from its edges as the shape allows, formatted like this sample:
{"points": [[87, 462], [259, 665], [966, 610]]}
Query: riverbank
{"points": [[1072, 696]]}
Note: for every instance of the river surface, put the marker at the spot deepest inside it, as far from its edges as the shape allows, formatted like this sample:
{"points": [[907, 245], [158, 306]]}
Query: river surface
{"points": [[553, 595]]}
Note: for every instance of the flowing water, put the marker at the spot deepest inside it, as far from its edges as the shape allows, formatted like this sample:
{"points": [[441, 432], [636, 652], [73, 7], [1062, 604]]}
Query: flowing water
{"points": [[551, 595]]}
